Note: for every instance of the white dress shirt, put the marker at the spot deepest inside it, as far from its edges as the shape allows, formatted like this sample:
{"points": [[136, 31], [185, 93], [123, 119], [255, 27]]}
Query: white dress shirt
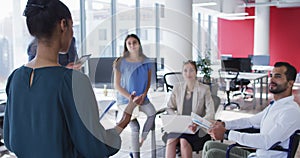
{"points": [[277, 123]]}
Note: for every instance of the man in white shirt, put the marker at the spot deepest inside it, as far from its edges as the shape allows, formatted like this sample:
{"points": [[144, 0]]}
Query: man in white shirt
{"points": [[277, 122]]}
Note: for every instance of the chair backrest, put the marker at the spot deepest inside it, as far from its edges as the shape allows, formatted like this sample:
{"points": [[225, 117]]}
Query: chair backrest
{"points": [[293, 145], [154, 80], [228, 74], [172, 78]]}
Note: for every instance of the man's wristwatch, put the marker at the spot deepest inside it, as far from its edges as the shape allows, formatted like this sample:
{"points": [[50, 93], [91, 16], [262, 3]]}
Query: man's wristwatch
{"points": [[223, 123], [226, 134]]}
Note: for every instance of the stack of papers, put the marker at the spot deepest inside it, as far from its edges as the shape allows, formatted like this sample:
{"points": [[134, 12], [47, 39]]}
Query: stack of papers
{"points": [[177, 124], [200, 121]]}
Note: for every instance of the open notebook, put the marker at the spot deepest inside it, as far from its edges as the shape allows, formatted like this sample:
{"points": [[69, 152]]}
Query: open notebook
{"points": [[177, 124]]}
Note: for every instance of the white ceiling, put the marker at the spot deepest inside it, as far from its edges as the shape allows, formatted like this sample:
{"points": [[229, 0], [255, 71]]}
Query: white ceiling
{"points": [[237, 6]]}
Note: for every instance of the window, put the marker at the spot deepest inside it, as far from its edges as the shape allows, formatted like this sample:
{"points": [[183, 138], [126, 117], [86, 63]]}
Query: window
{"points": [[102, 34], [105, 51], [14, 36], [144, 34], [123, 33]]}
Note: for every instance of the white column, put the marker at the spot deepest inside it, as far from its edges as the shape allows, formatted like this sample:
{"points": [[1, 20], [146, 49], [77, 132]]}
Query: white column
{"points": [[176, 29], [261, 30]]}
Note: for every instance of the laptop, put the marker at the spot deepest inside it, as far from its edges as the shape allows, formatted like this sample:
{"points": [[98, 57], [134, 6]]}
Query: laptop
{"points": [[177, 123]]}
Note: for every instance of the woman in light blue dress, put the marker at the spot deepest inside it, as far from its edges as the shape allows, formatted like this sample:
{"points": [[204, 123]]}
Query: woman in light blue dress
{"points": [[132, 72]]}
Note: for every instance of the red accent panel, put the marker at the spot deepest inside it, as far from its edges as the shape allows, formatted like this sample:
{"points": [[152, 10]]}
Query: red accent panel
{"points": [[235, 37], [250, 11], [285, 36]]}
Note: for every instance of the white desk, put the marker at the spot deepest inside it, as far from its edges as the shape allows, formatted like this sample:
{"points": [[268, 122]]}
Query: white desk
{"points": [[254, 77], [262, 68]]}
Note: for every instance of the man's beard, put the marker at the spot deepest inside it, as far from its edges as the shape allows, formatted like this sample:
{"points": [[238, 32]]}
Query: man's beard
{"points": [[278, 89]]}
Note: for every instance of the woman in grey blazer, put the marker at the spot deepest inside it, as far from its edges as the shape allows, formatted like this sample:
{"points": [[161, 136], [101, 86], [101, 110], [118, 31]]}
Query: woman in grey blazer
{"points": [[189, 96]]}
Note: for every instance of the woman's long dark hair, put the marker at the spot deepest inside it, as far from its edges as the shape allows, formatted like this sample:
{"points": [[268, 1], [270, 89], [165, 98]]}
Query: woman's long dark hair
{"points": [[126, 52]]}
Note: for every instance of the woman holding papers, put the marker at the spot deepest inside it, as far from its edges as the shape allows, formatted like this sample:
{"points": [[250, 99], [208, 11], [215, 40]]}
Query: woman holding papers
{"points": [[189, 96]]}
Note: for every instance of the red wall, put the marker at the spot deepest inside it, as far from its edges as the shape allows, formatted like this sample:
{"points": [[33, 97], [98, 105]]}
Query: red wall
{"points": [[236, 36]]}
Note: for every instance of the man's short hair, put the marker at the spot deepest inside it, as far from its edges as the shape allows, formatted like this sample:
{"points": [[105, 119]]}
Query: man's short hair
{"points": [[291, 71]]}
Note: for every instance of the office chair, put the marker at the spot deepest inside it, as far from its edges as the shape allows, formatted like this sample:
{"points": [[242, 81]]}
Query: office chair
{"points": [[243, 83], [241, 65], [291, 150], [229, 82], [172, 78]]}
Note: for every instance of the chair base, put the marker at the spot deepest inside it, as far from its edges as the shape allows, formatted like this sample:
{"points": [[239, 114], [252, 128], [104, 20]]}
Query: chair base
{"points": [[231, 103]]}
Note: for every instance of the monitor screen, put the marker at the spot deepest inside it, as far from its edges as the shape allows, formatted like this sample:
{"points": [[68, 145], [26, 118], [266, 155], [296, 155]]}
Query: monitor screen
{"points": [[231, 65], [101, 71], [240, 64], [245, 64], [261, 60]]}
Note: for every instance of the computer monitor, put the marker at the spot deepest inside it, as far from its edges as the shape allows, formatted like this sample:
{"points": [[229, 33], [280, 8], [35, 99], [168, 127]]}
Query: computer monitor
{"points": [[228, 65], [240, 64], [101, 71], [263, 60], [245, 64]]}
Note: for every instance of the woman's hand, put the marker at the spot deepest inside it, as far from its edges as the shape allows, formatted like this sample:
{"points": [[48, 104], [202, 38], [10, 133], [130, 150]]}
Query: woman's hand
{"points": [[74, 66], [193, 127], [133, 102], [127, 112], [141, 99]]}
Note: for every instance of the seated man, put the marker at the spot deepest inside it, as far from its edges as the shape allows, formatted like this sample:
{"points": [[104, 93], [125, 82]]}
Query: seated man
{"points": [[277, 122]]}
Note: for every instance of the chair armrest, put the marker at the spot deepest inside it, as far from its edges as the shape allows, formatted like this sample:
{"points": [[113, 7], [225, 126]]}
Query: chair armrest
{"points": [[293, 145], [162, 110], [248, 130], [240, 146], [245, 130], [166, 110], [277, 147]]}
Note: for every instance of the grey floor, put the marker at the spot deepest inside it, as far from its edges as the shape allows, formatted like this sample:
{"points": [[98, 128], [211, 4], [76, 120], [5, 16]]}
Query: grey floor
{"points": [[159, 99]]}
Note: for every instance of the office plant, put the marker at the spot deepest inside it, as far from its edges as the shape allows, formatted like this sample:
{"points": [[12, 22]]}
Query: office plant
{"points": [[204, 65]]}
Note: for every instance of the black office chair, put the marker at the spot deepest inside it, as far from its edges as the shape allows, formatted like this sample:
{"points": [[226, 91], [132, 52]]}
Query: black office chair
{"points": [[172, 78], [243, 83], [229, 83], [291, 150], [241, 65]]}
